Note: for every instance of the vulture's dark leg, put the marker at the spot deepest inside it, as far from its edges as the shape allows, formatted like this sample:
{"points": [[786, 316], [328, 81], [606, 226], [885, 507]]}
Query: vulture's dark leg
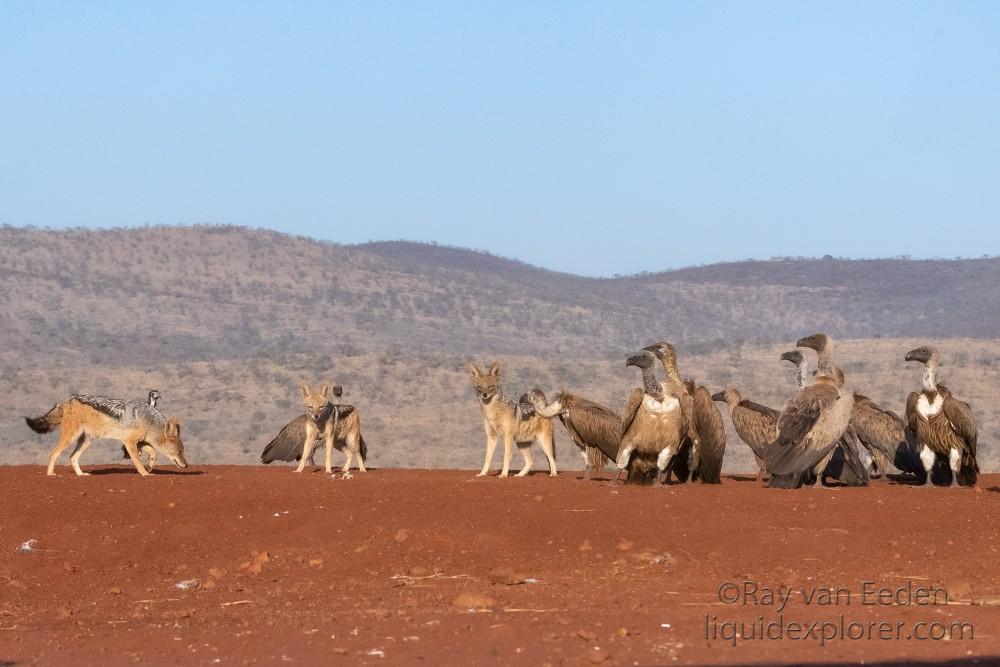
{"points": [[927, 457], [624, 458], [955, 463]]}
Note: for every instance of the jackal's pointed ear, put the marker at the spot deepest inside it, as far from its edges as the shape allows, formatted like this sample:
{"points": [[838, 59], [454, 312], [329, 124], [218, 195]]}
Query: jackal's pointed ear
{"points": [[325, 391], [495, 369], [304, 388], [475, 370], [173, 428]]}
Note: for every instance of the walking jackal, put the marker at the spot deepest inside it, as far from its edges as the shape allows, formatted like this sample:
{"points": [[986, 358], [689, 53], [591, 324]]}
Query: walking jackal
{"points": [[322, 418], [502, 418], [135, 423]]}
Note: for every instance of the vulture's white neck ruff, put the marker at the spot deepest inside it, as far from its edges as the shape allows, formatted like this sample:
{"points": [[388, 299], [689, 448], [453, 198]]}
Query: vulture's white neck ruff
{"points": [[666, 406]]}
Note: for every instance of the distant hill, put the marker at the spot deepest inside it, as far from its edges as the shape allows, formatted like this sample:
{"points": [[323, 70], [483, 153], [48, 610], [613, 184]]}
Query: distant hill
{"points": [[104, 310]]}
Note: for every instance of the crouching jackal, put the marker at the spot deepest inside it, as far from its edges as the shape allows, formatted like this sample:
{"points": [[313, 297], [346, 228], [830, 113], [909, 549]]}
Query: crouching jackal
{"points": [[83, 418], [503, 418]]}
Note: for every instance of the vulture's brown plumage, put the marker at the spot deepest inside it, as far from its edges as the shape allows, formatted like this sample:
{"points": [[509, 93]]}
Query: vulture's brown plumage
{"points": [[595, 429], [944, 426], [757, 425], [886, 437]]}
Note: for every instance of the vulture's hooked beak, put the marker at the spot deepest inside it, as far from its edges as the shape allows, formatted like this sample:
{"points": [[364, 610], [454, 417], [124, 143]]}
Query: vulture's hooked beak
{"points": [[808, 341], [795, 357]]}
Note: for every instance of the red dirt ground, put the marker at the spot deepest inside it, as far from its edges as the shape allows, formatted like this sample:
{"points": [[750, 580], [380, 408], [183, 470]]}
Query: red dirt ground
{"points": [[306, 569]]}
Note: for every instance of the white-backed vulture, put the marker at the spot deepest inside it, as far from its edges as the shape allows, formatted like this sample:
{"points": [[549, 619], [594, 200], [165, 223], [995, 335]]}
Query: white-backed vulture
{"points": [[756, 424], [944, 425], [880, 431], [706, 429], [886, 436], [845, 465], [595, 429], [801, 367], [821, 404], [810, 428], [652, 426]]}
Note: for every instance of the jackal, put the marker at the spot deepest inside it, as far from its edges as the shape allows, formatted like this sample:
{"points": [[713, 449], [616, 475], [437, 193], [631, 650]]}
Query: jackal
{"points": [[323, 418], [82, 418], [503, 418]]}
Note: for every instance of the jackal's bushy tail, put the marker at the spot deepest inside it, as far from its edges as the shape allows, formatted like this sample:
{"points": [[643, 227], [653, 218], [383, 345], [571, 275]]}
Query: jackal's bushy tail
{"points": [[364, 449], [46, 422]]}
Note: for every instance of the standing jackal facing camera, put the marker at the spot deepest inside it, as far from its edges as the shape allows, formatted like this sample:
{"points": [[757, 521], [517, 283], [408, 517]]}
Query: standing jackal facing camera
{"points": [[502, 418], [322, 418], [135, 423]]}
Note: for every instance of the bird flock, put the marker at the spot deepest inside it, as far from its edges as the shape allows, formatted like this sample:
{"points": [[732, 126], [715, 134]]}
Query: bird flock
{"points": [[671, 429]]}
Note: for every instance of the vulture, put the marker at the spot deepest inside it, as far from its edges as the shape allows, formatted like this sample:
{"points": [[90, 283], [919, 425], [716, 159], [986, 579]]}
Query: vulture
{"points": [[595, 429], [652, 425], [880, 431], [814, 426], [884, 434], [756, 424], [288, 444], [836, 468], [154, 396], [706, 430], [801, 367], [943, 425]]}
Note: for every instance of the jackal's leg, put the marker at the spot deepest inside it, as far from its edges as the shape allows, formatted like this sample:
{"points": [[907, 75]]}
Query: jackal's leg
{"points": [[150, 458], [545, 441], [307, 447], [81, 447], [529, 460], [508, 449], [132, 448], [491, 445], [354, 446], [328, 463], [65, 438], [347, 460]]}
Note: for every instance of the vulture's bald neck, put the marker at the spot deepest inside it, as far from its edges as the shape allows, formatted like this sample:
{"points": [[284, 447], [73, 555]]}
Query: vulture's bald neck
{"points": [[930, 374], [733, 397], [824, 362], [651, 385], [802, 373]]}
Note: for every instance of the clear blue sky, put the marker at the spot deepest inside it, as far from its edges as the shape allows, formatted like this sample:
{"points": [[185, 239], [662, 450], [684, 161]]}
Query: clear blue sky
{"points": [[597, 138]]}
